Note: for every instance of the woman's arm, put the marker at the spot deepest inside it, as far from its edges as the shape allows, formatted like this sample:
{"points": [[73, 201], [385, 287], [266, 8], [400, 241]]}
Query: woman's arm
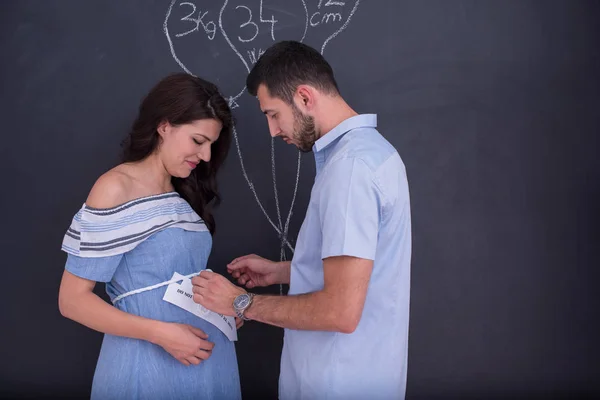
{"points": [[77, 301]]}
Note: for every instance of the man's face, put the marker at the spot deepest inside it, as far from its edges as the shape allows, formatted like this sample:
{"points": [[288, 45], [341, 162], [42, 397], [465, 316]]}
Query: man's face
{"points": [[287, 121]]}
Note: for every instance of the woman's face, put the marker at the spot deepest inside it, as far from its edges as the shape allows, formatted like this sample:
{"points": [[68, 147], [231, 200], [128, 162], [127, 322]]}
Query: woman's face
{"points": [[184, 146]]}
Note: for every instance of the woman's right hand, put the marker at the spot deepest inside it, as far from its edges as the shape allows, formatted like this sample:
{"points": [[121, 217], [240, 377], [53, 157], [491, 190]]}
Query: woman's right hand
{"points": [[189, 345]]}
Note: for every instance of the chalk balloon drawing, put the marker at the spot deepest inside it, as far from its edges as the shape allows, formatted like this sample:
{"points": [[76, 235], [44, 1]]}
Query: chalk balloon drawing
{"points": [[233, 35]]}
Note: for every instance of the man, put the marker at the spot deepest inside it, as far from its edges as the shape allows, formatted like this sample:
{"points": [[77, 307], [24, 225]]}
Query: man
{"points": [[346, 314]]}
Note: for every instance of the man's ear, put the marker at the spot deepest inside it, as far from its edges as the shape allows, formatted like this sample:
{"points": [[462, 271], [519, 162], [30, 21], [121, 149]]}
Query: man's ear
{"points": [[305, 97]]}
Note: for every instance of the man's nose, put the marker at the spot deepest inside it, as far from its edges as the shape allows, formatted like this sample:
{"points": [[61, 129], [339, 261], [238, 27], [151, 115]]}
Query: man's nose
{"points": [[275, 133], [274, 129]]}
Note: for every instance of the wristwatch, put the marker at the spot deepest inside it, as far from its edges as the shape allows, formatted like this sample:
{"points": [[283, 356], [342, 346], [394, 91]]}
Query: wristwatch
{"points": [[241, 303]]}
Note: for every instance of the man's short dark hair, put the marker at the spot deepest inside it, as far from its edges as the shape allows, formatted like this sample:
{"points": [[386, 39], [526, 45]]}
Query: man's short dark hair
{"points": [[288, 64]]}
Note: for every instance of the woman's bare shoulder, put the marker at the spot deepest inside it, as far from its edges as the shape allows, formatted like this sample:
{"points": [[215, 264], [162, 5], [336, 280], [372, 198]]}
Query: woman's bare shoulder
{"points": [[111, 189]]}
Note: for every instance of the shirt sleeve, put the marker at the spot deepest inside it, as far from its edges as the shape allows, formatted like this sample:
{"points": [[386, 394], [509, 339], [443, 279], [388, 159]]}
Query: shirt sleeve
{"points": [[349, 210], [99, 269]]}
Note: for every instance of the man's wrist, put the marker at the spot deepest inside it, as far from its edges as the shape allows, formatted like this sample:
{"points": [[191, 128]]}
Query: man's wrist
{"points": [[241, 310], [249, 313], [284, 268]]}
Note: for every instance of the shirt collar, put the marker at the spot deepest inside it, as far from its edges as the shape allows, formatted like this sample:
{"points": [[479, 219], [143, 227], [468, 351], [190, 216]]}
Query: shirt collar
{"points": [[357, 121]]}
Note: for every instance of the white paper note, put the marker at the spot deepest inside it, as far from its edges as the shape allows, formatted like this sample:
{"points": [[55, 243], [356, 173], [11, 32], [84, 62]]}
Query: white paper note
{"points": [[181, 295]]}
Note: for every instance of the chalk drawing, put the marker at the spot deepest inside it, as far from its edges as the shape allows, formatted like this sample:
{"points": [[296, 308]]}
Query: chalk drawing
{"points": [[201, 20]]}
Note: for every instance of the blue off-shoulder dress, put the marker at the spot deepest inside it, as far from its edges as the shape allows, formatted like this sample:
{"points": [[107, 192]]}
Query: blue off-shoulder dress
{"points": [[135, 245]]}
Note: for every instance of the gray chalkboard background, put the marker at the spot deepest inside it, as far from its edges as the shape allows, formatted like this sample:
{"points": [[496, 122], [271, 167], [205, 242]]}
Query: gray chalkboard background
{"points": [[493, 106]]}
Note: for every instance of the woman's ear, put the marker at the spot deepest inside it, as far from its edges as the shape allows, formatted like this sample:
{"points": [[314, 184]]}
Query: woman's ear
{"points": [[163, 128]]}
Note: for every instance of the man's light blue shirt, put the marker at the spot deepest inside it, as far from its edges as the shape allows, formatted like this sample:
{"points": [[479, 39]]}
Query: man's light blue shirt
{"points": [[359, 206]]}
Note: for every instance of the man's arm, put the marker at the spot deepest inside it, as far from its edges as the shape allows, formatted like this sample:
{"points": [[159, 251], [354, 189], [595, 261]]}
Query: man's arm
{"points": [[349, 212], [337, 307]]}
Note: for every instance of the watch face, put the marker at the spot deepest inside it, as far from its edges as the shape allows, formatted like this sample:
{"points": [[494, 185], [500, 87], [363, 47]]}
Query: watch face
{"points": [[241, 301]]}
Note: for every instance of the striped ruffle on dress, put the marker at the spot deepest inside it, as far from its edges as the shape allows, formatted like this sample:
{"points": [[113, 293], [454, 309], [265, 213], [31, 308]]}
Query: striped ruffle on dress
{"points": [[106, 232]]}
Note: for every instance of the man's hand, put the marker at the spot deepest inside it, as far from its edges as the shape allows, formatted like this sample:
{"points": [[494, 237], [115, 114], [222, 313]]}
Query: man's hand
{"points": [[215, 292], [253, 271]]}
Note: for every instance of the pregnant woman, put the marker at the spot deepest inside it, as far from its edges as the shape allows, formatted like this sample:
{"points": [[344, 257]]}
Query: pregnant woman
{"points": [[143, 221]]}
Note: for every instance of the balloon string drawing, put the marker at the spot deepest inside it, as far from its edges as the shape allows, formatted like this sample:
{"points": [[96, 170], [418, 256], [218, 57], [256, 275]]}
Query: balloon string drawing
{"points": [[241, 25]]}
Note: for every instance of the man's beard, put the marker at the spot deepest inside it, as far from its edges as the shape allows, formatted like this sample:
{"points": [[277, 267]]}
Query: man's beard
{"points": [[304, 130]]}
